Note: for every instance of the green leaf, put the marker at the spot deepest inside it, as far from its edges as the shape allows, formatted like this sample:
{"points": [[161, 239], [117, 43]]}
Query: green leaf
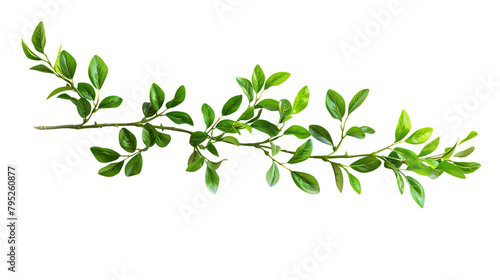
{"points": [[208, 114], [394, 159], [179, 97], [339, 178], [127, 140], [301, 100], [447, 155], [42, 68], [366, 164], [58, 90], [368, 130], [436, 173], [149, 135], [357, 100], [179, 117], [258, 78], [211, 148], [408, 155], [467, 167], [57, 64], [134, 166], [111, 169], [232, 105], [110, 102], [97, 71], [305, 182], [268, 104], [403, 127], [416, 190], [214, 165], [231, 139], [321, 134], [246, 86], [38, 38], [226, 126], [86, 90], [156, 96], [197, 138], [335, 104], [162, 139], [256, 117], [275, 149], [431, 162], [29, 53], [451, 169], [193, 157], [273, 175], [266, 127], [104, 154], [302, 153], [355, 184], [285, 108], [356, 132], [148, 110], [239, 125], [298, 131], [84, 108], [420, 169], [196, 164], [399, 176], [248, 114], [430, 147], [68, 65], [420, 136], [276, 79], [471, 135], [211, 180], [465, 152]]}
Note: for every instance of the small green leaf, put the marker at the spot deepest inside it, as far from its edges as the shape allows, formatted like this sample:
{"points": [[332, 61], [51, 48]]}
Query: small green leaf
{"points": [[335, 104], [134, 166], [232, 105], [193, 157], [258, 78], [366, 164], [208, 114], [231, 139], [149, 135], [420, 169], [57, 64], [58, 90], [285, 108], [148, 110], [275, 149], [465, 152], [104, 154], [42, 68], [84, 108], [110, 102], [127, 140], [451, 169], [156, 96], [449, 152], [305, 182], [420, 136], [339, 178], [321, 134], [214, 165], [431, 162], [436, 173], [467, 167], [368, 130], [38, 38], [162, 139], [196, 164], [197, 138], [179, 117], [430, 147], [471, 135], [268, 104], [256, 117], [302, 153], [248, 114], [29, 53], [356, 132], [355, 184], [68, 65], [86, 90], [111, 169], [298, 131], [211, 180], [276, 79], [301, 100], [179, 97], [266, 127], [211, 148], [394, 159], [246, 86], [416, 190], [357, 100], [226, 126], [403, 127], [272, 175], [97, 71]]}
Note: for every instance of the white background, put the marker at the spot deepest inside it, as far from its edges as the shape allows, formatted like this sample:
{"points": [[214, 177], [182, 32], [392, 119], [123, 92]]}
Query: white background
{"points": [[428, 58]]}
